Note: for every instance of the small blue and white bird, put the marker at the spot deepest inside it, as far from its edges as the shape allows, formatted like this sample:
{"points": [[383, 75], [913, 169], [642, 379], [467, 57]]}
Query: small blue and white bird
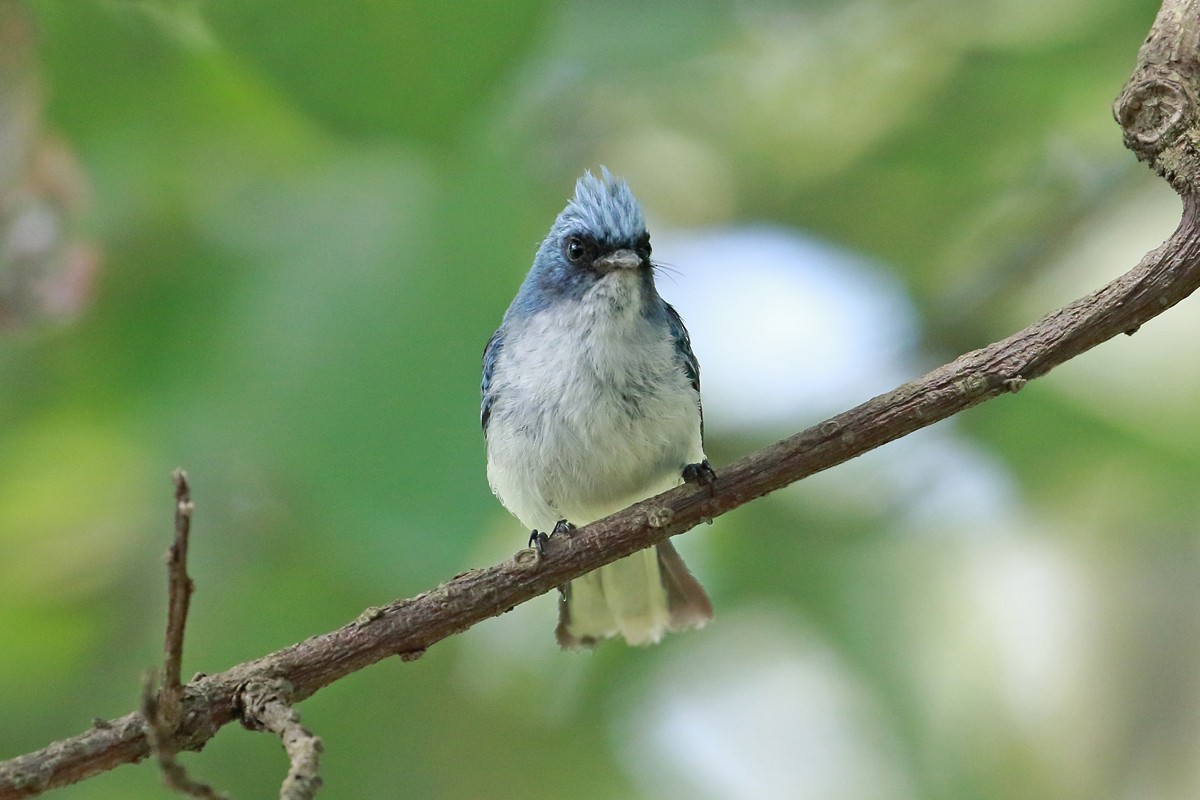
{"points": [[591, 402]]}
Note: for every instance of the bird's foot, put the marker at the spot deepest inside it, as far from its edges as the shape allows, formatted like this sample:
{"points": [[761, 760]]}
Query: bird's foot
{"points": [[701, 473], [537, 539]]}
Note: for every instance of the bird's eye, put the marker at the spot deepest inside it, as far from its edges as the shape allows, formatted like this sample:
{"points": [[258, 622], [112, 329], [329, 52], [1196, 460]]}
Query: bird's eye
{"points": [[575, 248]]}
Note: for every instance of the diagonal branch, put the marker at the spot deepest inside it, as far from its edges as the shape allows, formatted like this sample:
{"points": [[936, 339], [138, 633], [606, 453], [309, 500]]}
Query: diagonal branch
{"points": [[407, 627], [1157, 111]]}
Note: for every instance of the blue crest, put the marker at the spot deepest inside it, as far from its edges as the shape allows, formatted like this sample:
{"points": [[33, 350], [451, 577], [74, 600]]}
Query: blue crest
{"points": [[603, 207]]}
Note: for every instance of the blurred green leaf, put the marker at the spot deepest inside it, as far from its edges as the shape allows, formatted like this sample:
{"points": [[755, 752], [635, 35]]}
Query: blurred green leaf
{"points": [[386, 67]]}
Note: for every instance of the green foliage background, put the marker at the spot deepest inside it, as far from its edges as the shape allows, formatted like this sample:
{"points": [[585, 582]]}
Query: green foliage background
{"points": [[312, 215]]}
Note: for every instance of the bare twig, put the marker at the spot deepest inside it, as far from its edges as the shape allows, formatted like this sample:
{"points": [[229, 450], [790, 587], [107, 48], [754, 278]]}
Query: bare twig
{"points": [[266, 706], [1160, 118], [162, 709], [179, 586]]}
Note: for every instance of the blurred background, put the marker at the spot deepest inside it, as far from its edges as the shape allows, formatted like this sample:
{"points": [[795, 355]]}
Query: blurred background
{"points": [[267, 242]]}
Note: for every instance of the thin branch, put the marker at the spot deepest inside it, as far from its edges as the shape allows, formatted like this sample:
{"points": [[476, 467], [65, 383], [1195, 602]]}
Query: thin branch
{"points": [[162, 709], [1159, 115], [179, 585], [266, 706]]}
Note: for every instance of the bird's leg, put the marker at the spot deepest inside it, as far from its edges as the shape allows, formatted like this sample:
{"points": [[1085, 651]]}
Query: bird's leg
{"points": [[701, 473], [562, 528]]}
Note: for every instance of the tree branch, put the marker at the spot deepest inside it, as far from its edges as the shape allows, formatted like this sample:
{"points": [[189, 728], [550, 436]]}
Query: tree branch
{"points": [[162, 709], [267, 707], [160, 726], [1158, 112], [179, 585]]}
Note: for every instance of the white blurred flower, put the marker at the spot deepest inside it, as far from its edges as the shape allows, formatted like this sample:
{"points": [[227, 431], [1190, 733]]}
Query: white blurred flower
{"points": [[786, 328], [759, 709]]}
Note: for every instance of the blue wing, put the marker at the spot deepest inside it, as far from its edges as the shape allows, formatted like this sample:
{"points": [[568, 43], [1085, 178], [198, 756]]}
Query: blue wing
{"points": [[490, 354], [683, 348]]}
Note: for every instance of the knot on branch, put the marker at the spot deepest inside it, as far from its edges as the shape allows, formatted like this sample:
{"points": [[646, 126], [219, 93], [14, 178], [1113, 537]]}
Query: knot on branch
{"points": [[258, 698], [162, 715], [1153, 112], [1157, 112]]}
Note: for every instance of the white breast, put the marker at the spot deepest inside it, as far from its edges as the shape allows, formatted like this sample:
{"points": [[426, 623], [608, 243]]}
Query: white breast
{"points": [[593, 410]]}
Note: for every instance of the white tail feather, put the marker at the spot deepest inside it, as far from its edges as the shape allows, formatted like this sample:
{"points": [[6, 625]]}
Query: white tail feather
{"points": [[640, 597]]}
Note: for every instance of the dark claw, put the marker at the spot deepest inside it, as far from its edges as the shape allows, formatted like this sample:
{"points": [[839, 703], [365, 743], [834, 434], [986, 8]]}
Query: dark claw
{"points": [[701, 473], [537, 540]]}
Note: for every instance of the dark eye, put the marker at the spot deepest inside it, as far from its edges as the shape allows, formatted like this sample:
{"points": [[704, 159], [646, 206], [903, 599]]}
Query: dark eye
{"points": [[574, 248]]}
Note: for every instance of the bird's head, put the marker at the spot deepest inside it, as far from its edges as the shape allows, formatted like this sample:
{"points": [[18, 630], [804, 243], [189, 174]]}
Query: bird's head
{"points": [[599, 235]]}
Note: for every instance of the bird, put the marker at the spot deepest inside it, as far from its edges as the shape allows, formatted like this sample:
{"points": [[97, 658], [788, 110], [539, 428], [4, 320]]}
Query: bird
{"points": [[590, 403]]}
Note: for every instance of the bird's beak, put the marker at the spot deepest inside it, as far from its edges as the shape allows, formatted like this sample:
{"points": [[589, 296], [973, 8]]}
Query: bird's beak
{"points": [[617, 259]]}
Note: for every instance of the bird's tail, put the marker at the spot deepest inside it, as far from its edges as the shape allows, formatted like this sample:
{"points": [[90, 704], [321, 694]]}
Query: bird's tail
{"points": [[640, 597]]}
